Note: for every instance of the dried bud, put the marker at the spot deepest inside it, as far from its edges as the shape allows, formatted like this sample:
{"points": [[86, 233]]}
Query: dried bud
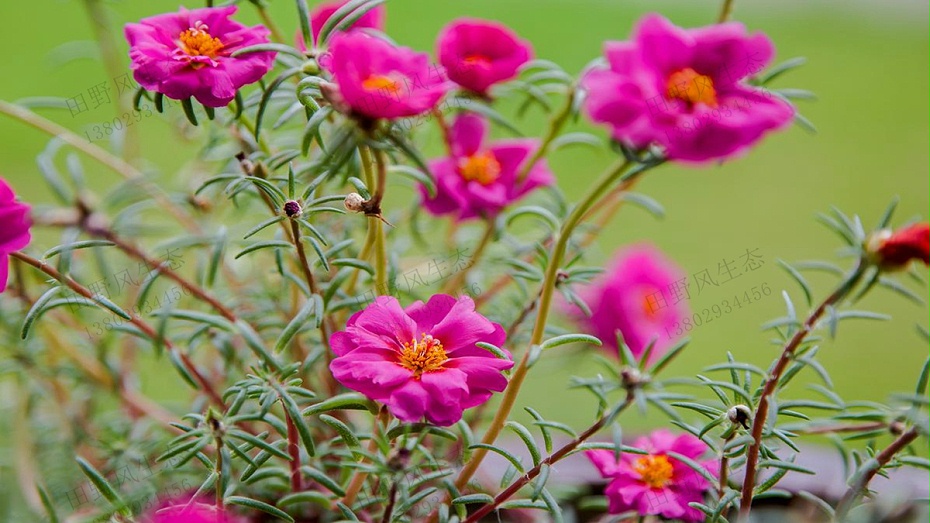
{"points": [[354, 202], [895, 250], [292, 209], [332, 95], [247, 166], [897, 428], [632, 378], [740, 414]]}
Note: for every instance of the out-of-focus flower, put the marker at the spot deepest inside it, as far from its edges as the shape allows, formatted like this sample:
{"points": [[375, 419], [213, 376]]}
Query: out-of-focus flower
{"points": [[187, 54], [478, 53], [895, 250], [14, 228], [377, 79], [422, 361], [642, 295], [373, 19], [183, 512], [656, 483], [685, 90], [478, 178]]}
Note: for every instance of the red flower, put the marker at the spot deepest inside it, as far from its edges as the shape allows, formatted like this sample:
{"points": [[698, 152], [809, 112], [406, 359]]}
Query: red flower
{"points": [[896, 250]]}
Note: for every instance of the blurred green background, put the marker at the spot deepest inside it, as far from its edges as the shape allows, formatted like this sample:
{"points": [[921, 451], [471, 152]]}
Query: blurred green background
{"points": [[868, 64]]}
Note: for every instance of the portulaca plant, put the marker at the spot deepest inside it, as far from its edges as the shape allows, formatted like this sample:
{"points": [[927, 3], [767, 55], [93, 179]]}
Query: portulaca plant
{"points": [[350, 357]]}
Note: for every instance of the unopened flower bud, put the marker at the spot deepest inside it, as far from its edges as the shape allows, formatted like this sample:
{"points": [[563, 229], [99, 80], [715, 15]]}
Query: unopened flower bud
{"points": [[311, 67], [632, 378], [292, 209], [740, 414], [354, 202], [895, 250], [896, 428], [332, 95]]}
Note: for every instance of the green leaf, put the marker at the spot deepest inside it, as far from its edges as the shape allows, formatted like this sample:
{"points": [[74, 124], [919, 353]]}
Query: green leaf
{"points": [[345, 16], [294, 326], [798, 278], [535, 210], [259, 505], [188, 107], [260, 48], [346, 433], [305, 497], [527, 438], [570, 338], [48, 505], [277, 244], [416, 175], [255, 230], [68, 247], [347, 401], [484, 499], [303, 16], [38, 308], [103, 486], [497, 450], [493, 349]]}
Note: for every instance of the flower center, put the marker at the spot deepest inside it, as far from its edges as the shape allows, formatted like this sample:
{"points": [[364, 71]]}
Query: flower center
{"points": [[197, 41], [692, 88], [480, 167], [652, 302], [380, 82], [477, 60], [426, 355], [655, 471]]}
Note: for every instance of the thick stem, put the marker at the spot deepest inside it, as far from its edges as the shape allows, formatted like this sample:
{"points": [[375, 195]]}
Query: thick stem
{"points": [[555, 126], [218, 469], [146, 329], [293, 449], [550, 460], [545, 301], [771, 385], [725, 11], [861, 481], [375, 220], [724, 467]]}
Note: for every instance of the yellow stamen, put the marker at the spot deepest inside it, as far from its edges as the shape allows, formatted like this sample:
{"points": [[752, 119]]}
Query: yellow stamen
{"points": [[480, 167], [477, 59], [650, 303], [379, 82], [197, 41], [426, 355], [692, 88], [654, 471]]}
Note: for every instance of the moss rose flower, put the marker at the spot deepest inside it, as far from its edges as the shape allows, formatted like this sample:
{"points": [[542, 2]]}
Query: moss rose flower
{"points": [[187, 54], [377, 79], [479, 178], [422, 361], [14, 228], [685, 90], [478, 53], [642, 294], [655, 483], [895, 250]]}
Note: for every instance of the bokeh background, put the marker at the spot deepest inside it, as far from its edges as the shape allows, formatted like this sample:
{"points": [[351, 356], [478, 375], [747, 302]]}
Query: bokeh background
{"points": [[867, 63]]}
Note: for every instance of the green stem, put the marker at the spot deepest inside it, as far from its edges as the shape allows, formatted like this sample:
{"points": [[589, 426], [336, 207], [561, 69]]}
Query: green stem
{"points": [[725, 11], [458, 280], [375, 221], [113, 64], [269, 23], [555, 126], [545, 302]]}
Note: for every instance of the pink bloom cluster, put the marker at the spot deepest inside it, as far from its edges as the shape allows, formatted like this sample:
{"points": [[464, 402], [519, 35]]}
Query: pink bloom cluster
{"points": [[685, 90], [14, 228], [479, 179], [184, 512], [631, 297], [422, 361], [656, 483], [188, 54]]}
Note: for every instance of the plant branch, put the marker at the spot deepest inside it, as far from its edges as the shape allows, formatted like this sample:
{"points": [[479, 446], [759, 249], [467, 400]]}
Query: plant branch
{"points": [[456, 282], [771, 385], [555, 126]]}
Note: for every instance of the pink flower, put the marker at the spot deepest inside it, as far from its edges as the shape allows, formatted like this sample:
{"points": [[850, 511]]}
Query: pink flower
{"points": [[187, 54], [373, 19], [181, 512], [421, 361], [380, 80], [480, 179], [656, 483], [478, 54], [684, 89], [642, 294], [14, 228]]}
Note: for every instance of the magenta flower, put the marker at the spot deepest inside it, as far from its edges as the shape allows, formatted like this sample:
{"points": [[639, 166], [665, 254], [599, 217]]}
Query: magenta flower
{"points": [[478, 53], [421, 361], [187, 54], [183, 512], [643, 296], [14, 229], [656, 483], [373, 19], [478, 178], [377, 79], [684, 89]]}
